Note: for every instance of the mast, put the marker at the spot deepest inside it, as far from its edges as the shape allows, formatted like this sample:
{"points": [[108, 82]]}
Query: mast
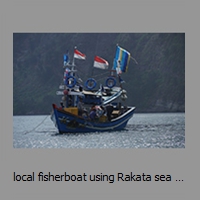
{"points": [[73, 60]]}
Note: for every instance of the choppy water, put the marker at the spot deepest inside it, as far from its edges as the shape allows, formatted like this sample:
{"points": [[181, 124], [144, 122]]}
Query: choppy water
{"points": [[158, 130]]}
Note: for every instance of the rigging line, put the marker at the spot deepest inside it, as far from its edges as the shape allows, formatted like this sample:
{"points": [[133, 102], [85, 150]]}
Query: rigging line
{"points": [[37, 125], [96, 74], [134, 60], [101, 74], [107, 72]]}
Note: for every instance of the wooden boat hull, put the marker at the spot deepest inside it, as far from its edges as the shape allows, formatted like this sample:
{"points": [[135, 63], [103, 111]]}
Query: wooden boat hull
{"points": [[69, 123]]}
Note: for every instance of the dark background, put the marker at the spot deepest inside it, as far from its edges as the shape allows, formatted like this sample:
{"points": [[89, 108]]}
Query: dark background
{"points": [[155, 84]]}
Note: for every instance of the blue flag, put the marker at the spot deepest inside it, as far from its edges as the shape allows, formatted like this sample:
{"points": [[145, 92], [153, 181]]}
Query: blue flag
{"points": [[65, 58], [121, 60]]}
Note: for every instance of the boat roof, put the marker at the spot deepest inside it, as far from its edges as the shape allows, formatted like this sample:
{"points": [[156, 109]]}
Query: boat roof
{"points": [[86, 92]]}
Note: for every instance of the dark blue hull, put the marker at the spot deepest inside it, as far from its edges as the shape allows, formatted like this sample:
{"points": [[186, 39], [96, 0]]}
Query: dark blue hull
{"points": [[70, 123]]}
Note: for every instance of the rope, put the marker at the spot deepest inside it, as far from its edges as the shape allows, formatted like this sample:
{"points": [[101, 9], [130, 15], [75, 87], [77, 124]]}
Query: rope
{"points": [[101, 74], [134, 60], [37, 125]]}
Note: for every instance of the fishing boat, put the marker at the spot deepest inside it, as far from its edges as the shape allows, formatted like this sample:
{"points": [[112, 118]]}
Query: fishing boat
{"points": [[86, 109]]}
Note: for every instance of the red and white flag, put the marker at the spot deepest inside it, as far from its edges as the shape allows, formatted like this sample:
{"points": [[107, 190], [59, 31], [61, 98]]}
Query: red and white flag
{"points": [[100, 63], [79, 55]]}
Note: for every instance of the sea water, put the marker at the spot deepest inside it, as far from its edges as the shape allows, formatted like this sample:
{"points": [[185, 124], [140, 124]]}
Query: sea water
{"points": [[154, 130]]}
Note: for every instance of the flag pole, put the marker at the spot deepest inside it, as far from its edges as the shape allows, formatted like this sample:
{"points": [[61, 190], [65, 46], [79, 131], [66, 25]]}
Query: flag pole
{"points": [[73, 62]]}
